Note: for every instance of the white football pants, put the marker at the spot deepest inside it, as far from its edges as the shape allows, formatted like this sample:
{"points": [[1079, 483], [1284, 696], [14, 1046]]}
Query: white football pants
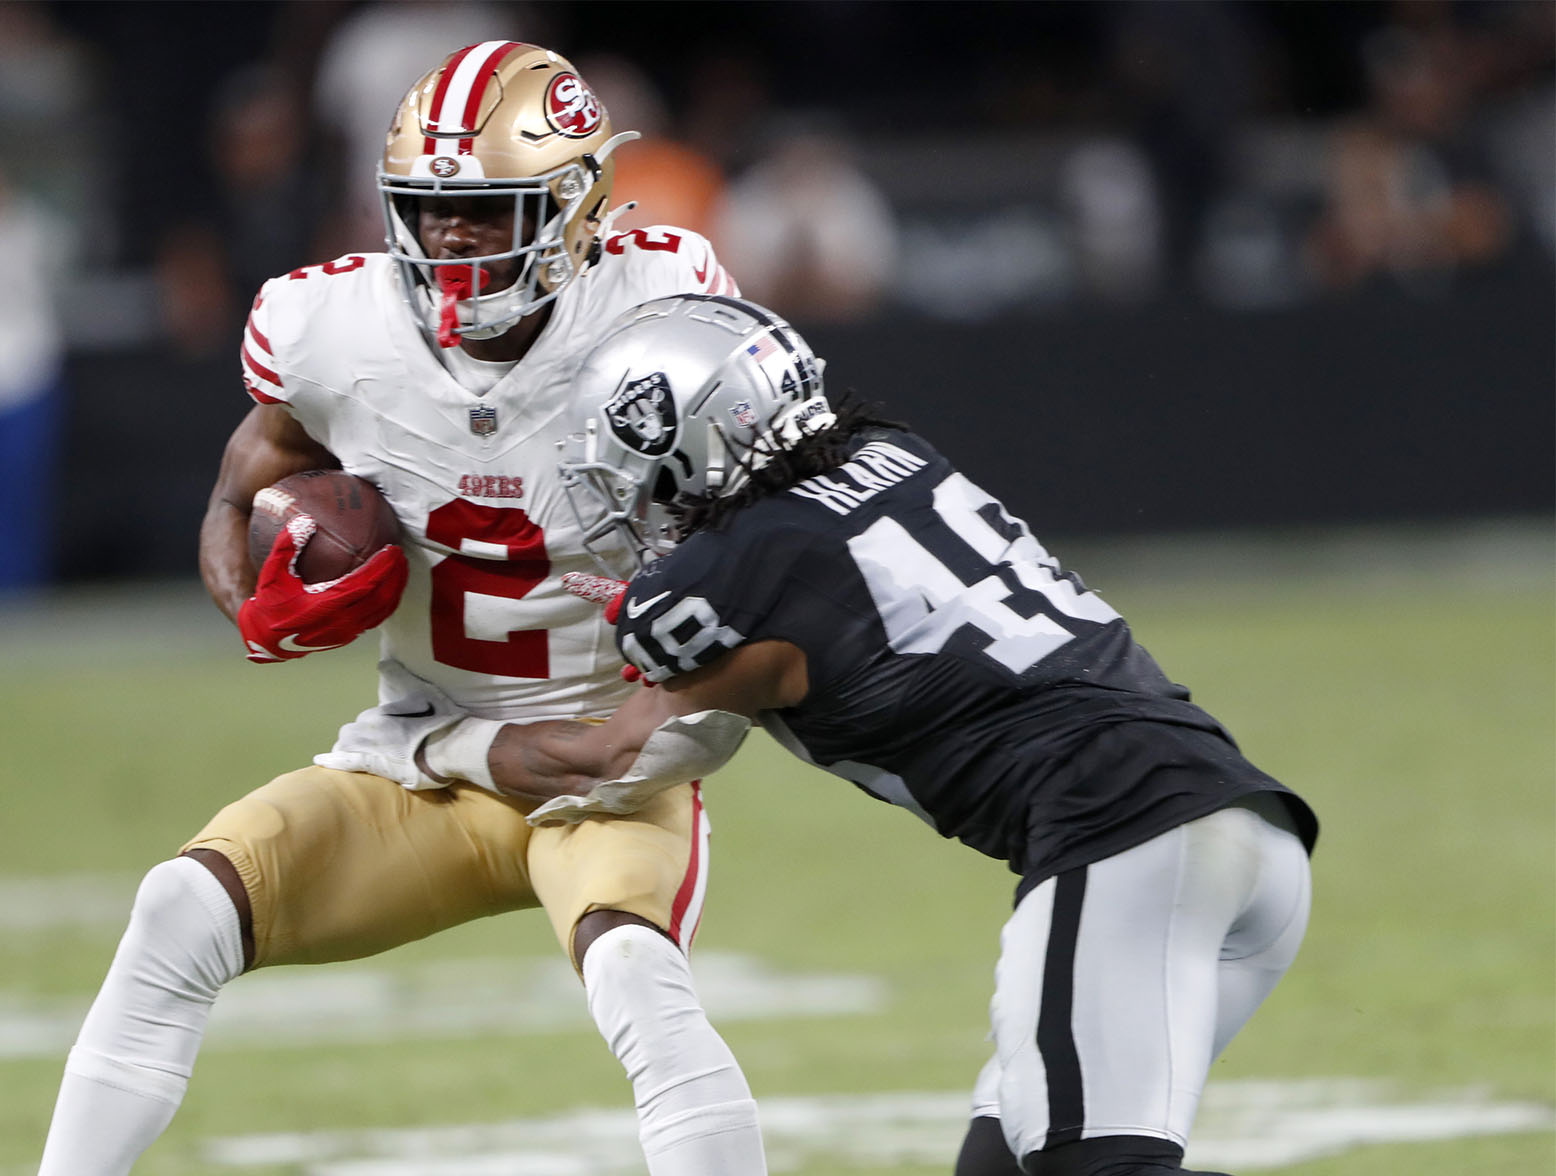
{"points": [[1118, 984]]}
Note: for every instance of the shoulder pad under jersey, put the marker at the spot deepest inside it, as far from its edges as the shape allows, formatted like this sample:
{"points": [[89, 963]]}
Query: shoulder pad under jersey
{"points": [[284, 310], [679, 259]]}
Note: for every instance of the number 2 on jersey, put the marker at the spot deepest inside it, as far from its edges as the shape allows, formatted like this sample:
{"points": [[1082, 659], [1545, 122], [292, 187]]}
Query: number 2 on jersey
{"points": [[472, 594]]}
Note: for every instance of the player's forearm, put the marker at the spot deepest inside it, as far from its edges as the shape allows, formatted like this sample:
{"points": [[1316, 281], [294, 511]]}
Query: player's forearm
{"points": [[224, 561], [555, 757], [266, 446], [537, 761], [560, 757]]}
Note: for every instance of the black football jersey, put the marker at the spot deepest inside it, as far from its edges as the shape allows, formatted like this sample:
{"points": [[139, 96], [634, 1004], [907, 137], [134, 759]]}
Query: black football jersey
{"points": [[954, 667]]}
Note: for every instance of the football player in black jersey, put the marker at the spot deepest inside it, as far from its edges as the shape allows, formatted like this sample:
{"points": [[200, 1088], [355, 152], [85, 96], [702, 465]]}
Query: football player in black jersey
{"points": [[834, 578]]}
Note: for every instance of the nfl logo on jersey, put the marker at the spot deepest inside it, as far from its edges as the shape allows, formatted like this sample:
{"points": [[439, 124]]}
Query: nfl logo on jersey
{"points": [[483, 420]]}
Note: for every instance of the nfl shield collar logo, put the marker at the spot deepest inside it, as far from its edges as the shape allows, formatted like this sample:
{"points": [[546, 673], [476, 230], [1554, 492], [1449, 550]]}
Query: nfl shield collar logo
{"points": [[483, 420]]}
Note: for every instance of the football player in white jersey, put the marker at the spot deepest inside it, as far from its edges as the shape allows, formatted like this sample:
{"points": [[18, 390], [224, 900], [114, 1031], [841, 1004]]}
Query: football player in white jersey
{"points": [[437, 370]]}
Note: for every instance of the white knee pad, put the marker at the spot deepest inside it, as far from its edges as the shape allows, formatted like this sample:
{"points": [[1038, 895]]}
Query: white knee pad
{"points": [[695, 1112], [181, 946], [131, 1063]]}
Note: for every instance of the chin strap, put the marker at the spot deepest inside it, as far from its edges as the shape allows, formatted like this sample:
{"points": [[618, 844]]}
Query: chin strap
{"points": [[454, 284]]}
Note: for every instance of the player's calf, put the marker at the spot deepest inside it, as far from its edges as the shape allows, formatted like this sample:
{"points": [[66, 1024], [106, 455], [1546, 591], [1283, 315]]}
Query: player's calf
{"points": [[695, 1112], [984, 1150]]}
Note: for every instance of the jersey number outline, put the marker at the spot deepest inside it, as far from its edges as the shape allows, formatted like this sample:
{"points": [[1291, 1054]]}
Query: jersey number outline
{"points": [[341, 265], [667, 242], [684, 632], [923, 603], [499, 557]]}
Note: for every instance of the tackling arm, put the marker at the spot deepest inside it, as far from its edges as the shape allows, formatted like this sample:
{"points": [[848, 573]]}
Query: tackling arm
{"points": [[657, 739], [539, 761]]}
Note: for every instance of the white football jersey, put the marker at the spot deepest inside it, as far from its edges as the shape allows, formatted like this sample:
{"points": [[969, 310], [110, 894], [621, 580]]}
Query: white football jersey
{"points": [[486, 526]]}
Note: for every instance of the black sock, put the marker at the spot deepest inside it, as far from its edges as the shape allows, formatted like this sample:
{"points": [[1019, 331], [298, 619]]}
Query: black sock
{"points": [[1108, 1155], [984, 1152]]}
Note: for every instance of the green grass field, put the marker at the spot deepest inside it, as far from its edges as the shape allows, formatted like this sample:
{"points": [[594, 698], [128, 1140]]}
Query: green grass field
{"points": [[1406, 684]]}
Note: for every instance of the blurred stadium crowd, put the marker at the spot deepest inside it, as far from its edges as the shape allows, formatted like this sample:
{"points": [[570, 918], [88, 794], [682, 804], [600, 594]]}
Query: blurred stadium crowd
{"points": [[849, 158]]}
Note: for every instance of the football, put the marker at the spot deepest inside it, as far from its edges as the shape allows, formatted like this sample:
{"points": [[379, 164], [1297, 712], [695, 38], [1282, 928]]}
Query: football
{"points": [[354, 520]]}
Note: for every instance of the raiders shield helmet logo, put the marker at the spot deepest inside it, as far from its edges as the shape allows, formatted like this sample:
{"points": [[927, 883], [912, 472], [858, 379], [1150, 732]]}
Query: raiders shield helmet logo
{"points": [[642, 415]]}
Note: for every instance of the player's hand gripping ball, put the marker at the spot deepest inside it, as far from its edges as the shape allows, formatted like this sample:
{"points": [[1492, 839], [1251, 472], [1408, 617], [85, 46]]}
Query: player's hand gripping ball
{"points": [[352, 522], [323, 542]]}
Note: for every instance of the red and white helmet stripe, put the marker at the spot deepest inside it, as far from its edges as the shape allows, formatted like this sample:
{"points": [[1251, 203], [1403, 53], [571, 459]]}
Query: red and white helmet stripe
{"points": [[457, 100]]}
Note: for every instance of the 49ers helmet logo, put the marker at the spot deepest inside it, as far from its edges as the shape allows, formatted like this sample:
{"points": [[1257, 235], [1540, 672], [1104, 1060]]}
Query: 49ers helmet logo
{"points": [[571, 107], [642, 415]]}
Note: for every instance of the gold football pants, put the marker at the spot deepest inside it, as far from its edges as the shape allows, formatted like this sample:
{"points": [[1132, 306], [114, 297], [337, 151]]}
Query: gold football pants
{"points": [[340, 865]]}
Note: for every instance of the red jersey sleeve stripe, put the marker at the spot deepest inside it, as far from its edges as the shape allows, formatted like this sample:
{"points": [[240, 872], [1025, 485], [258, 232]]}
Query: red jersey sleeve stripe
{"points": [[258, 370], [257, 348], [260, 397], [259, 336]]}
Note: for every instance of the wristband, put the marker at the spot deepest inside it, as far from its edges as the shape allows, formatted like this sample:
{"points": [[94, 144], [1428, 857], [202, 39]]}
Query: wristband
{"points": [[460, 752]]}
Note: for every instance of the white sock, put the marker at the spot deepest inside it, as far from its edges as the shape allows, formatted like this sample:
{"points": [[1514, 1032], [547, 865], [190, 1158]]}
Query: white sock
{"points": [[132, 1060], [696, 1116]]}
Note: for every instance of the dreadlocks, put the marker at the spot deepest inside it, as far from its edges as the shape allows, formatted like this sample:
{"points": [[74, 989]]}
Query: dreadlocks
{"points": [[813, 454]]}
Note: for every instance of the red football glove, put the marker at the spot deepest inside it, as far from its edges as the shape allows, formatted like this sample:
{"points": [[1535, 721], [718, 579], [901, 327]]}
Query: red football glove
{"points": [[611, 593], [286, 618]]}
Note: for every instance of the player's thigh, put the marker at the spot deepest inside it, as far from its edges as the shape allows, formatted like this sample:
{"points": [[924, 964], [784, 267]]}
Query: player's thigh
{"points": [[652, 863], [339, 865], [1262, 942], [1105, 1004]]}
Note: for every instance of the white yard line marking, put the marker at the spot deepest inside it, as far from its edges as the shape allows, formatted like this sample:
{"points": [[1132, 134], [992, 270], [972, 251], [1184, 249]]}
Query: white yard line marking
{"points": [[1249, 1126], [353, 1002], [1254, 1125], [66, 900]]}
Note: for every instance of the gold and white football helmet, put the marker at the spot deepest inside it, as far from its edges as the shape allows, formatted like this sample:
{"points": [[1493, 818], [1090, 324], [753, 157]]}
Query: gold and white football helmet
{"points": [[501, 118]]}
